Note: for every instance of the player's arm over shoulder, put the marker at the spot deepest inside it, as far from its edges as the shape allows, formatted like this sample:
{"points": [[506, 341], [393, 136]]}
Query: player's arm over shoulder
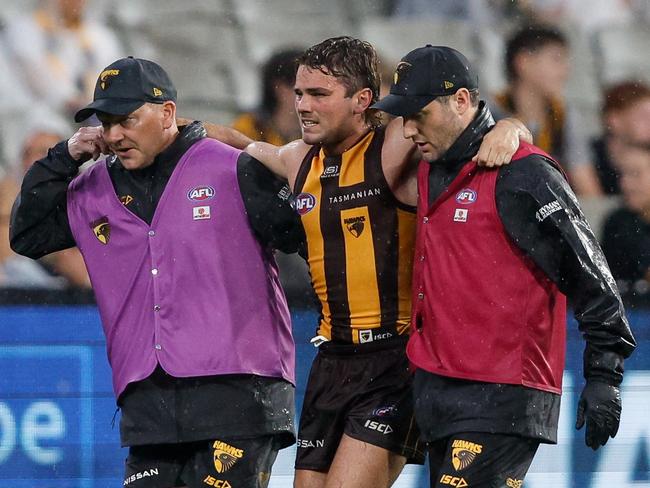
{"points": [[399, 162], [284, 161], [222, 133], [267, 199]]}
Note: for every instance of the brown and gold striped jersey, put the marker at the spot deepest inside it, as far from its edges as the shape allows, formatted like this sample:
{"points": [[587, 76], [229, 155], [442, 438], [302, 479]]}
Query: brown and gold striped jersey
{"points": [[359, 243]]}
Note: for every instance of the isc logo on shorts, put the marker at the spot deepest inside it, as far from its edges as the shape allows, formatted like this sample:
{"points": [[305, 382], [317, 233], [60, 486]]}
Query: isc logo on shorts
{"points": [[450, 480], [383, 428], [210, 481]]}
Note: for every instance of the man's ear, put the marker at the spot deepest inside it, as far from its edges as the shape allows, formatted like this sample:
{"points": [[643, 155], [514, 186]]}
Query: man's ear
{"points": [[363, 99], [462, 99], [169, 114]]}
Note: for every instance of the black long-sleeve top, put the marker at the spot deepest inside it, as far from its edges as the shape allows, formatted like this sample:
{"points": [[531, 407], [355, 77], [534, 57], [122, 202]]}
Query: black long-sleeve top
{"points": [[541, 215], [39, 220], [161, 408]]}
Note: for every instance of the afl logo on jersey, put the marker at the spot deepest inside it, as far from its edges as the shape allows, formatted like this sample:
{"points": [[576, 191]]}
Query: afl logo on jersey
{"points": [[305, 202], [200, 193], [466, 196]]}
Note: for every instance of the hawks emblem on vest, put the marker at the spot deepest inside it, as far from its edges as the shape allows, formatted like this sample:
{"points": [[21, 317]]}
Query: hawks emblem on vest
{"points": [[102, 229], [355, 225], [225, 456]]}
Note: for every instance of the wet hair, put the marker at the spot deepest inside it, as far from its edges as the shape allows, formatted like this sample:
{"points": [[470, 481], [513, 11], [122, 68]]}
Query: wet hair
{"points": [[352, 61], [280, 68], [530, 39], [624, 95]]}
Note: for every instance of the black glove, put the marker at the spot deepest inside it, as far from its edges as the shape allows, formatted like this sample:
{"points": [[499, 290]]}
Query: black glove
{"points": [[600, 407]]}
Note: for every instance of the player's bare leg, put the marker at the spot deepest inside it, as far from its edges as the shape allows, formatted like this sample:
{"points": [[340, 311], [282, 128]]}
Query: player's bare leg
{"points": [[357, 464], [305, 478]]}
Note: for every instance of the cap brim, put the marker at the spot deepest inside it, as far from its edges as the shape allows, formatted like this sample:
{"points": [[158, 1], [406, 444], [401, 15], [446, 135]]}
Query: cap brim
{"points": [[403, 106], [112, 106]]}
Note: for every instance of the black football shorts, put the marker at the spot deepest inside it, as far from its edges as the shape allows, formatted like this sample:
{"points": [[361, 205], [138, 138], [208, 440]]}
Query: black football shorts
{"points": [[481, 460], [363, 391], [219, 463]]}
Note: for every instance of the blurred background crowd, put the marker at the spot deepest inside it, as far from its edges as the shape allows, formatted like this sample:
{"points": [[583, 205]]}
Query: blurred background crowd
{"points": [[576, 72]]}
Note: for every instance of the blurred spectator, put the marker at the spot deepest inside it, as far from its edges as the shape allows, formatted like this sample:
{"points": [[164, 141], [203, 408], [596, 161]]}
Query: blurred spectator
{"points": [[587, 15], [476, 12], [57, 53], [537, 66], [386, 71], [275, 121], [18, 271], [56, 271], [626, 235], [15, 97], [626, 121], [35, 146]]}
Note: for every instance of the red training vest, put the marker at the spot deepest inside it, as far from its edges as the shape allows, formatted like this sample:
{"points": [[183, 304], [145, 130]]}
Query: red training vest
{"points": [[482, 310]]}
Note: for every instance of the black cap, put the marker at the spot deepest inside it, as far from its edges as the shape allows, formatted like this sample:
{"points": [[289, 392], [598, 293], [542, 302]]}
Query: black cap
{"points": [[126, 85], [425, 74]]}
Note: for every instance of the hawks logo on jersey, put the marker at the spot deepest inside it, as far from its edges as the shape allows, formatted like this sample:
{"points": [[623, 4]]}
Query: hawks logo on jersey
{"points": [[355, 225]]}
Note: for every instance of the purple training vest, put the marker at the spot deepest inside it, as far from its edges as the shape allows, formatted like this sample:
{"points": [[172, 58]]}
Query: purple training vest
{"points": [[194, 291]]}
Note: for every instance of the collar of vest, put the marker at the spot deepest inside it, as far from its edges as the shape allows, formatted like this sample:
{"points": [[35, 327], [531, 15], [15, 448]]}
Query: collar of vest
{"points": [[467, 144]]}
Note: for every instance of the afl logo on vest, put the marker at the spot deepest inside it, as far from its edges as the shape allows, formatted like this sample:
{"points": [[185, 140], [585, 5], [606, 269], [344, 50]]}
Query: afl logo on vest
{"points": [[466, 196], [200, 193], [305, 202]]}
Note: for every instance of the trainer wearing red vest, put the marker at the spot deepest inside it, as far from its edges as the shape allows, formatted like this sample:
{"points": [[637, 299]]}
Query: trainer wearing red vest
{"points": [[498, 252]]}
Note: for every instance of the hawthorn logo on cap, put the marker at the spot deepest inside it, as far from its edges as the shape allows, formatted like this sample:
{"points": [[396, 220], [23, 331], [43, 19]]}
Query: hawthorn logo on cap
{"points": [[105, 77], [102, 229], [402, 66]]}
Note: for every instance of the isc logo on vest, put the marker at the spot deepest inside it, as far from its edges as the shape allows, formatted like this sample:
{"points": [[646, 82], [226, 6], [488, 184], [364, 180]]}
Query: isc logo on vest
{"points": [[305, 202], [200, 193]]}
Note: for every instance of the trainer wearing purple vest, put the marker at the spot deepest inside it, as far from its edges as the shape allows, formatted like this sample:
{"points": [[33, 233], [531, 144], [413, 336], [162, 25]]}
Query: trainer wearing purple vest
{"points": [[498, 252], [177, 232]]}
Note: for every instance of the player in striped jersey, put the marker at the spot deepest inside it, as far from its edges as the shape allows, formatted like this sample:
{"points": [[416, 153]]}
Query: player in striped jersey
{"points": [[355, 188]]}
